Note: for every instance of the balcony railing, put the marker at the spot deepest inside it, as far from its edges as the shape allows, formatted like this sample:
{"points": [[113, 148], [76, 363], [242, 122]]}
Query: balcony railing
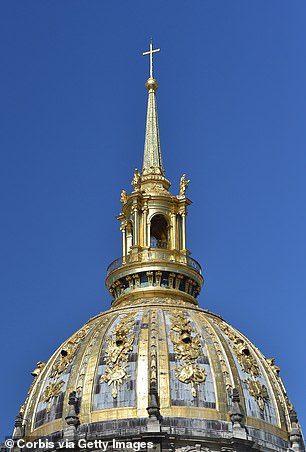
{"points": [[194, 264], [156, 255], [114, 265]]}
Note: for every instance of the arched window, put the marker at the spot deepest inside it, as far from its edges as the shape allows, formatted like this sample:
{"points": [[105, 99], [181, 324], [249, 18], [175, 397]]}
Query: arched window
{"points": [[159, 232], [129, 236]]}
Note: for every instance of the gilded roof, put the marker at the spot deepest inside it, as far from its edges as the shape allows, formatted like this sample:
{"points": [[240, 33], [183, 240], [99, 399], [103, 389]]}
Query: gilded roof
{"points": [[194, 357]]}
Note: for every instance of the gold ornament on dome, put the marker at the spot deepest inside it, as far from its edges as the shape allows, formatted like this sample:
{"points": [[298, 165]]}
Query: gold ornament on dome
{"points": [[222, 358], [67, 353], [259, 392], [153, 347], [52, 390], [190, 373], [85, 360], [165, 301], [36, 372], [60, 365], [38, 369], [281, 392], [118, 348], [274, 367], [287, 403], [187, 349], [245, 358]]}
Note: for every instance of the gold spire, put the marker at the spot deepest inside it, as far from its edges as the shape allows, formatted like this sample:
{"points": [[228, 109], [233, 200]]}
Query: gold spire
{"points": [[155, 261], [152, 160]]}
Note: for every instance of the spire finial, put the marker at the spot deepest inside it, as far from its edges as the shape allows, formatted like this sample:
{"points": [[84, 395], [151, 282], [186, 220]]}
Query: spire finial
{"points": [[152, 161], [150, 52]]}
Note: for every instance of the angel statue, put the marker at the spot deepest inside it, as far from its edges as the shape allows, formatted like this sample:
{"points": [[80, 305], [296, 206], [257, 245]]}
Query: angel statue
{"points": [[136, 180], [183, 185]]}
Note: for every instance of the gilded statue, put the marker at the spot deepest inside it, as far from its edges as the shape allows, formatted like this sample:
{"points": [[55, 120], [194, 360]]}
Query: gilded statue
{"points": [[123, 197], [183, 185], [136, 180]]}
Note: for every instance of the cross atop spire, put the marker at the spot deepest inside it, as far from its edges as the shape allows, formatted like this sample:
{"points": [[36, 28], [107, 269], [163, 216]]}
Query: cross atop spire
{"points": [[152, 160], [150, 52]]}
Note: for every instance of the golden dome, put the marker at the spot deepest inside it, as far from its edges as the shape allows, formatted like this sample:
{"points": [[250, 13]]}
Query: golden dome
{"points": [[194, 359]]}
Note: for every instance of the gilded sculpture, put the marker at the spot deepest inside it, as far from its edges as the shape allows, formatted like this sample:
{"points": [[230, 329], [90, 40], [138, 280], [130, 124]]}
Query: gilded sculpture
{"points": [[119, 345], [36, 372], [244, 355], [86, 357], [153, 346], [156, 187], [187, 349], [61, 363], [123, 197], [274, 367], [67, 353], [249, 365], [222, 357], [53, 390], [183, 185], [259, 392], [136, 181], [39, 367], [281, 391]]}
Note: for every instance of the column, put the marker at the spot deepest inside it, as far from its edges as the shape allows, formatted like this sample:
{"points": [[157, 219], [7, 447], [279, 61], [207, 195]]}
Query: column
{"points": [[148, 234], [136, 226], [144, 227], [123, 243], [184, 231], [173, 231]]}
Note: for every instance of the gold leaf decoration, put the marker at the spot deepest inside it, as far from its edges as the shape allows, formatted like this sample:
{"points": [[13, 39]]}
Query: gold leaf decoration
{"points": [[51, 391], [68, 352], [187, 349], [118, 348], [259, 392], [245, 358]]}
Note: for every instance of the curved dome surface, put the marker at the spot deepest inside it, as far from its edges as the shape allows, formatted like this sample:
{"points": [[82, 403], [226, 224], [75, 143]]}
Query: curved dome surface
{"points": [[193, 357]]}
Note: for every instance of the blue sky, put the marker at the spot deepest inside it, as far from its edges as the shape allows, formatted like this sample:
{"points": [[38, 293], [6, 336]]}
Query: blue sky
{"points": [[232, 110]]}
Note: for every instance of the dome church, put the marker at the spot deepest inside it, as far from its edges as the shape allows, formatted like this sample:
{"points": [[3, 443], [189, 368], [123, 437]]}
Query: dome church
{"points": [[157, 372]]}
